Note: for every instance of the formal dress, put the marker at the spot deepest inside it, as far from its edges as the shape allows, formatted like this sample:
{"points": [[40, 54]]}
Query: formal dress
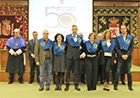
{"points": [[58, 63]]}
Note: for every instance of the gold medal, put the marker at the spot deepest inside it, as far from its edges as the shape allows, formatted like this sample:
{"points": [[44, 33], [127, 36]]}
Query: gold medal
{"points": [[16, 43]]}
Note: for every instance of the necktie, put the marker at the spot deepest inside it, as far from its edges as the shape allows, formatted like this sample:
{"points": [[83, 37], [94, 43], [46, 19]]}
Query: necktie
{"points": [[34, 43]]}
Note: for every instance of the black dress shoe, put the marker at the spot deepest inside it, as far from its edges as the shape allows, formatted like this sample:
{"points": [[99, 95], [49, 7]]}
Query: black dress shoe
{"points": [[130, 88], [30, 82], [113, 82], [67, 88], [54, 82], [21, 82], [89, 89], [38, 82], [83, 82], [63, 82], [56, 88], [102, 82], [115, 88], [10, 82], [123, 83]]}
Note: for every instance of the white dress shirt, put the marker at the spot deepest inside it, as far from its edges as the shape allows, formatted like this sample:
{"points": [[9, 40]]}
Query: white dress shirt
{"points": [[75, 38]]}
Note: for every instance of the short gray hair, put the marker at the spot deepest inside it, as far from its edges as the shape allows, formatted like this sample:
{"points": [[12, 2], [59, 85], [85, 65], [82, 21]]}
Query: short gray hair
{"points": [[99, 34], [17, 30]]}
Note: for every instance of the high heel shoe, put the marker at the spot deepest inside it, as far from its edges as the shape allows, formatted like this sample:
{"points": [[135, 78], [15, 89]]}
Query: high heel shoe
{"points": [[107, 87], [104, 87]]}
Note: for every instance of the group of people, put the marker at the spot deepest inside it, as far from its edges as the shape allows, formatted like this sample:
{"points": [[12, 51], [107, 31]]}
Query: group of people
{"points": [[76, 55]]}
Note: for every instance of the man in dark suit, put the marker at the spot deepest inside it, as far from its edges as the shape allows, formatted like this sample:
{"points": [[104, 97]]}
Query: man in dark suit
{"points": [[124, 48], [31, 57], [73, 41]]}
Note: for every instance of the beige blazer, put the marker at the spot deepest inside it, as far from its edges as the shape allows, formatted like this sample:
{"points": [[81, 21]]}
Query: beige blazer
{"points": [[40, 54]]}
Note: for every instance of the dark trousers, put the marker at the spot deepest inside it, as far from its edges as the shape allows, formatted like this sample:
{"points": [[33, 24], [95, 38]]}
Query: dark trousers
{"points": [[114, 70], [59, 78], [123, 77], [32, 67], [82, 77], [119, 70], [91, 72], [100, 72], [72, 63], [11, 77], [106, 70], [82, 70]]}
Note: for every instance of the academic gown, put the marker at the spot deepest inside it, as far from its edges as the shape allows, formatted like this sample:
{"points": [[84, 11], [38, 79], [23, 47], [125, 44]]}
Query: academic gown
{"points": [[102, 57], [15, 64]]}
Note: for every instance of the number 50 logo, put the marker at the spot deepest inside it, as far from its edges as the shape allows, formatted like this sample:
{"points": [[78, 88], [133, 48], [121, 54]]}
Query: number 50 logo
{"points": [[65, 20]]}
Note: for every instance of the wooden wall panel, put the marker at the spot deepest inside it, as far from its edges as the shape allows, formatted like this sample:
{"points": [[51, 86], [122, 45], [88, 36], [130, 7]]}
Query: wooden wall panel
{"points": [[4, 57], [14, 2], [4, 77]]}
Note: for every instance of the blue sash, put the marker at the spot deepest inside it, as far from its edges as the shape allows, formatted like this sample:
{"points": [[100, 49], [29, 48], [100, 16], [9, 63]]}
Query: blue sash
{"points": [[92, 48], [104, 45], [58, 50], [44, 45], [124, 44], [72, 42], [16, 43]]}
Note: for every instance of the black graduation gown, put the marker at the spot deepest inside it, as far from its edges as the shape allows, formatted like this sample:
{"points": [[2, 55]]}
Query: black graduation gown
{"points": [[15, 64]]}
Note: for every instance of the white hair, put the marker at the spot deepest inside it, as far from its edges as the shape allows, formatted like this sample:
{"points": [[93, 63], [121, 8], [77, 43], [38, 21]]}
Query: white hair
{"points": [[99, 34], [17, 30]]}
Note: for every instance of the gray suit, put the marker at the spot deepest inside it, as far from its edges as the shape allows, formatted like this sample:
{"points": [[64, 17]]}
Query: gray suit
{"points": [[30, 49]]}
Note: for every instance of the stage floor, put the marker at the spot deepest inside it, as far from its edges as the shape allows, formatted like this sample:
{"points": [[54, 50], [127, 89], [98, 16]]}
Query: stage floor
{"points": [[27, 90]]}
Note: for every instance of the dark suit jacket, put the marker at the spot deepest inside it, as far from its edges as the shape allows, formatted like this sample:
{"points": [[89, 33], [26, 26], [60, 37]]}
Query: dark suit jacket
{"points": [[123, 52], [72, 52], [30, 49]]}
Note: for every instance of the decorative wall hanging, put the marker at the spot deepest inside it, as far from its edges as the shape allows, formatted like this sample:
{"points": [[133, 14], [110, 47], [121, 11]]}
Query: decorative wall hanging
{"points": [[12, 17], [113, 17]]}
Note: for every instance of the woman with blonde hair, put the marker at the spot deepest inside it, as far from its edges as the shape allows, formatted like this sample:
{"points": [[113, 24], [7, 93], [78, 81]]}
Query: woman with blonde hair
{"points": [[107, 45]]}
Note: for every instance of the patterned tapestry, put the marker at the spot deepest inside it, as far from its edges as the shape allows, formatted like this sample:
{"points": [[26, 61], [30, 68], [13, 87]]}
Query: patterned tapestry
{"points": [[113, 17], [12, 17]]}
